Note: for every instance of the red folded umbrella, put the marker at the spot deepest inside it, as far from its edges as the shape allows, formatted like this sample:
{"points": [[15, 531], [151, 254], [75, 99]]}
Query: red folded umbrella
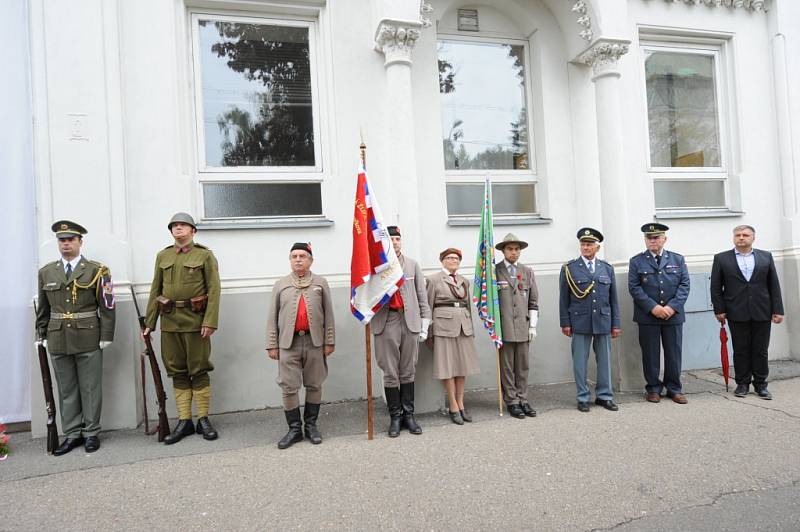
{"points": [[723, 354]]}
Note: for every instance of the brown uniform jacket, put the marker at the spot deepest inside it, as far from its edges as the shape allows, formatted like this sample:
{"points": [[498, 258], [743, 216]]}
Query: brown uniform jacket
{"points": [[68, 336], [182, 276], [449, 320], [415, 300], [283, 312], [517, 296]]}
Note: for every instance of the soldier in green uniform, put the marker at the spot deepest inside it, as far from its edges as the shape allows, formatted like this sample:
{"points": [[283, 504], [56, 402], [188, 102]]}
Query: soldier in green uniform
{"points": [[185, 293], [75, 320]]}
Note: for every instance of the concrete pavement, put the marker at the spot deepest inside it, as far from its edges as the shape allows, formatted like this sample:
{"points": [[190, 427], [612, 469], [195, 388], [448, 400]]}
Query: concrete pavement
{"points": [[718, 463]]}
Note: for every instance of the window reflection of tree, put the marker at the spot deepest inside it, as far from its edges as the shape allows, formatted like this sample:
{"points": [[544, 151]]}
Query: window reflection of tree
{"points": [[282, 132], [513, 155], [682, 119]]}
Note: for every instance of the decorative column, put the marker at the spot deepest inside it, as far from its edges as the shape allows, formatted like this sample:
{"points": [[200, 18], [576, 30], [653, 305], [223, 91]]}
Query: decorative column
{"points": [[397, 32], [396, 39], [602, 56]]}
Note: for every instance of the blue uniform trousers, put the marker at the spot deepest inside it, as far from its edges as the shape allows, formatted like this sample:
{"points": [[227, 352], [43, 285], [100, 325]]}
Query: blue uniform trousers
{"points": [[580, 360], [651, 338]]}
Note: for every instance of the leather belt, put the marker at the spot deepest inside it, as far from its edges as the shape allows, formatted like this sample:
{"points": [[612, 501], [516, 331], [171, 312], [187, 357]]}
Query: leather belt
{"points": [[301, 333], [72, 315], [182, 303], [456, 304]]}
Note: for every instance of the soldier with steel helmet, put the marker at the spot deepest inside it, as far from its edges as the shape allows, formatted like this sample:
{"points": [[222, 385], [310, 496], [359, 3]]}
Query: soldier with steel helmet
{"points": [[589, 314], [75, 319], [658, 281], [185, 294]]}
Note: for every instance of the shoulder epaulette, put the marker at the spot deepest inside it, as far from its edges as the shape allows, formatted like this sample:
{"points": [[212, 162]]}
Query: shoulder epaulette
{"points": [[201, 246], [168, 247]]}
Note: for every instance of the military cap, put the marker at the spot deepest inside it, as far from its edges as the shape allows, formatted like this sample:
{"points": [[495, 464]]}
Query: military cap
{"points": [[449, 251], [654, 229], [305, 246], [68, 229], [181, 217], [511, 238], [588, 234], [393, 230]]}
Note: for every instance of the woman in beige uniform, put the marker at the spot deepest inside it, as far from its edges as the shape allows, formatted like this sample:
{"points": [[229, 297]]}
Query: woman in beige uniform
{"points": [[454, 354]]}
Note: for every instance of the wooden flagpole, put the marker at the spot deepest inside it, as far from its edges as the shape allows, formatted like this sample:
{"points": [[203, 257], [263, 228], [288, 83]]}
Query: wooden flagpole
{"points": [[368, 338], [499, 386]]}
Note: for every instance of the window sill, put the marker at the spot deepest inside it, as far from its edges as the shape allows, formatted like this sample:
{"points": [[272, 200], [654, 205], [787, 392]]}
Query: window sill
{"points": [[701, 213], [265, 224], [522, 220]]}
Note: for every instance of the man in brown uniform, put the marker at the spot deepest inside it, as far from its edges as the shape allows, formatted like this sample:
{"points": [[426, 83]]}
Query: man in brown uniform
{"points": [[300, 336], [185, 293], [519, 315], [397, 328], [75, 320]]}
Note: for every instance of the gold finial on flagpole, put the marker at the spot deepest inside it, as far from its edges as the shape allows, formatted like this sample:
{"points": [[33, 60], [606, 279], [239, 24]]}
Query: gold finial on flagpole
{"points": [[362, 147]]}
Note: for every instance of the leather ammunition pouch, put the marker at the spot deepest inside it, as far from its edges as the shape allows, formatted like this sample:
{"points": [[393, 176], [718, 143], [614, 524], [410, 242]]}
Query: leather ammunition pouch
{"points": [[165, 305], [198, 304]]}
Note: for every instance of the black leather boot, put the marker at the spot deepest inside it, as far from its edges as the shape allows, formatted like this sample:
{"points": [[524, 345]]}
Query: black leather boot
{"points": [[407, 400], [295, 433], [310, 415], [205, 428], [184, 428], [395, 411]]}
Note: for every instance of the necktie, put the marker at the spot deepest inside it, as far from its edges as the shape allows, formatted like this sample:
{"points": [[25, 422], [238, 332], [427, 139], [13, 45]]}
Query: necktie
{"points": [[658, 259], [69, 269], [454, 278], [512, 270], [591, 267]]}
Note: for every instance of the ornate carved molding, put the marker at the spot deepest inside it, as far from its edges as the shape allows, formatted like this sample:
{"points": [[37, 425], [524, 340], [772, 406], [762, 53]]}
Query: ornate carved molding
{"points": [[584, 20], [396, 39], [425, 10], [760, 6], [603, 55]]}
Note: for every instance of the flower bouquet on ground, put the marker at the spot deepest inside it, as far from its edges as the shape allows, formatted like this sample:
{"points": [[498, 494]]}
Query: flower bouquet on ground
{"points": [[5, 450]]}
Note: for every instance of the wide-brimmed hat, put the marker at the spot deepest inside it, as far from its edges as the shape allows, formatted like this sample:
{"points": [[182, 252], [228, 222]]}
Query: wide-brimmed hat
{"points": [[511, 238]]}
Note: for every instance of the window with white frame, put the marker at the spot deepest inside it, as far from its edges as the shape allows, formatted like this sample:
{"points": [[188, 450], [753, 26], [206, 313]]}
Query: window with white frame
{"points": [[259, 154], [485, 117], [687, 161]]}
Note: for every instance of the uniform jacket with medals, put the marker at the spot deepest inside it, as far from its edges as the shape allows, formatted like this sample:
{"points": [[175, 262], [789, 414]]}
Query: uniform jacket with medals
{"points": [[518, 296], [596, 312], [651, 284], [283, 312], [415, 299], [87, 293], [449, 320], [180, 277]]}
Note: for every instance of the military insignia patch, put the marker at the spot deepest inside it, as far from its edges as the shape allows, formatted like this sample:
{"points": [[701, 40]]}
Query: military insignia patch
{"points": [[108, 293], [64, 227], [587, 232]]}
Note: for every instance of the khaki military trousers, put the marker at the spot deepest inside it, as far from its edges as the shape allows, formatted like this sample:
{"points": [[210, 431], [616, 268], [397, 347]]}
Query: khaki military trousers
{"points": [[396, 350], [80, 392], [514, 372], [301, 365], [187, 358]]}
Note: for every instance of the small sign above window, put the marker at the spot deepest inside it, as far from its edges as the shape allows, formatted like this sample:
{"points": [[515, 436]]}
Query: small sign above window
{"points": [[467, 20]]}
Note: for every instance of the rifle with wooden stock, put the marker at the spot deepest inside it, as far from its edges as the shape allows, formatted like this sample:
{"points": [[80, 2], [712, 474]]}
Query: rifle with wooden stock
{"points": [[163, 423], [47, 383]]}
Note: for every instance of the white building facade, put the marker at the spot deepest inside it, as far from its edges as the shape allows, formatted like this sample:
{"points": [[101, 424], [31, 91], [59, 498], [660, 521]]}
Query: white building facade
{"points": [[248, 115]]}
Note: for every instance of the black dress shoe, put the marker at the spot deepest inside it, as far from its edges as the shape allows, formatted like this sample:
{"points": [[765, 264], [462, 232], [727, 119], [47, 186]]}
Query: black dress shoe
{"points": [[466, 417], [528, 409], [741, 390], [92, 444], [456, 418], [608, 404], [583, 406], [184, 428], [67, 445], [516, 411], [764, 393], [205, 428]]}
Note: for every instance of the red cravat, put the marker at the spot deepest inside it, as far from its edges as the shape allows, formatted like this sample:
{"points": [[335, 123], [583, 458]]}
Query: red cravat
{"points": [[301, 321]]}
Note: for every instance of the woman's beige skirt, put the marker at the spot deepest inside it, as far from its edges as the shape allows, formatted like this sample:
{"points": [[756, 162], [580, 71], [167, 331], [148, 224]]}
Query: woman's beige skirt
{"points": [[454, 357]]}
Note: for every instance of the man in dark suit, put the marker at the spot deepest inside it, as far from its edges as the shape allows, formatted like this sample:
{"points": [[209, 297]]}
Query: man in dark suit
{"points": [[745, 291]]}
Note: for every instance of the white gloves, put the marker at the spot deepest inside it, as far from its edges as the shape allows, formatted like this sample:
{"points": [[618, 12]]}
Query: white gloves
{"points": [[533, 316], [423, 332], [104, 344], [37, 343]]}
